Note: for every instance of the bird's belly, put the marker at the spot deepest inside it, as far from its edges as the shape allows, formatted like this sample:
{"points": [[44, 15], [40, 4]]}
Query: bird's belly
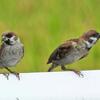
{"points": [[9, 62], [72, 57], [10, 57]]}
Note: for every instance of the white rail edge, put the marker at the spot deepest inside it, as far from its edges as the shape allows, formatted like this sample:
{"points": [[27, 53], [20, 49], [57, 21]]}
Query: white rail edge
{"points": [[51, 86]]}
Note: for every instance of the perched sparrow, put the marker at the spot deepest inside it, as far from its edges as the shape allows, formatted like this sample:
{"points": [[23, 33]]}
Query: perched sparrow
{"points": [[11, 51], [73, 50]]}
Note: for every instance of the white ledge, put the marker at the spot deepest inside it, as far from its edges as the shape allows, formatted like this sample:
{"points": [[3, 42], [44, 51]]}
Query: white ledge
{"points": [[51, 86]]}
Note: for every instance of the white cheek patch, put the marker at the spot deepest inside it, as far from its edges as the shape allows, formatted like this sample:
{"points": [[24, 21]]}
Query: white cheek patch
{"points": [[12, 41], [94, 39], [89, 45], [5, 39]]}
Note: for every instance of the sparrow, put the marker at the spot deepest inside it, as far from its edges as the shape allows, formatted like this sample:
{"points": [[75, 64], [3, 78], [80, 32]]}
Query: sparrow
{"points": [[11, 52], [73, 50]]}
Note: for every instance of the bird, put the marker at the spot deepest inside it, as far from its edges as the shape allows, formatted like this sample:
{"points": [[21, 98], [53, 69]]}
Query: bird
{"points": [[11, 52], [73, 50]]}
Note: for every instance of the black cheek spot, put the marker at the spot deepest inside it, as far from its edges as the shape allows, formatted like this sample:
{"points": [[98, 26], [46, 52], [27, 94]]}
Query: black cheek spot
{"points": [[90, 41]]}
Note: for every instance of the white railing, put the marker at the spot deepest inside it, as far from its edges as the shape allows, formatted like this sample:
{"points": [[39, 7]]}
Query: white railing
{"points": [[51, 86]]}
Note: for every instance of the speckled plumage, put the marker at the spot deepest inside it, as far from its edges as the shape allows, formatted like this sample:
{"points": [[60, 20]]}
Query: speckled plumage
{"points": [[11, 52], [10, 55], [73, 50], [68, 52]]}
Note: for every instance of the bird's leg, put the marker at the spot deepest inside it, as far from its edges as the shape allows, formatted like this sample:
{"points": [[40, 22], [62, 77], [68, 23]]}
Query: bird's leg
{"points": [[6, 75], [52, 67], [75, 71], [14, 73]]}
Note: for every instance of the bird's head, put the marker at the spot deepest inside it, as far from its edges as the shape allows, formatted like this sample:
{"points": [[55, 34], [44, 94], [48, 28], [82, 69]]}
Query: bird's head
{"points": [[91, 37], [10, 38]]}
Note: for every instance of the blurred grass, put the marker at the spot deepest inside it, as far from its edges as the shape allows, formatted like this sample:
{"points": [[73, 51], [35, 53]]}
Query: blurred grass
{"points": [[44, 24]]}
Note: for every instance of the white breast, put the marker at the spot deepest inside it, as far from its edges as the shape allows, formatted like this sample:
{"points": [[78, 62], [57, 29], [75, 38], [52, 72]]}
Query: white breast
{"points": [[11, 55]]}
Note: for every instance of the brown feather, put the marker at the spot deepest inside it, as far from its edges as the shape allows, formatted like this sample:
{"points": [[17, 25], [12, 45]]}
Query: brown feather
{"points": [[63, 49]]}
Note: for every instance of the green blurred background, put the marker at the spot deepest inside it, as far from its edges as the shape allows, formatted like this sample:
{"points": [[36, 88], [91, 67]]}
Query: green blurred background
{"points": [[44, 24]]}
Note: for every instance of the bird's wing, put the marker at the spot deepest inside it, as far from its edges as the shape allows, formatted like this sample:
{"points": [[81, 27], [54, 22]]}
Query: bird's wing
{"points": [[61, 51], [2, 51]]}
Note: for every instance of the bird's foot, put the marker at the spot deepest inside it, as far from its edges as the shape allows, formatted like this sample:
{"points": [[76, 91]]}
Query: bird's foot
{"points": [[6, 75], [16, 74], [75, 71], [78, 73]]}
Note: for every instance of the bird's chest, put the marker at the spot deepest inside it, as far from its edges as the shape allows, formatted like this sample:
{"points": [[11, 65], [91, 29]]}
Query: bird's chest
{"points": [[11, 51], [10, 55]]}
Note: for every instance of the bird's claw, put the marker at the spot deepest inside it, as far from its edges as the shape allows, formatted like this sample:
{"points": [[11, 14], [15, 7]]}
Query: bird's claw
{"points": [[6, 75], [79, 74], [16, 74]]}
